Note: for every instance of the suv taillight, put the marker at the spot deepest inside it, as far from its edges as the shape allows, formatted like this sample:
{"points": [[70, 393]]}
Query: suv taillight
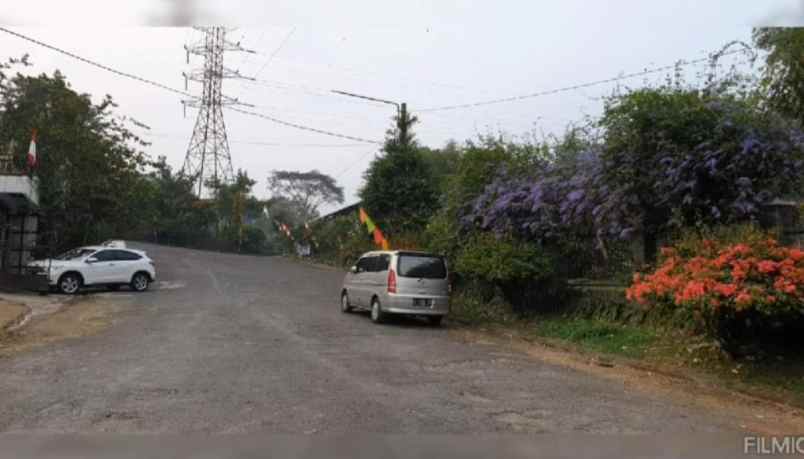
{"points": [[391, 281]]}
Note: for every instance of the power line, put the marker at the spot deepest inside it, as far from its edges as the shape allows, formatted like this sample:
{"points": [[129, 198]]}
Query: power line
{"points": [[177, 91], [276, 51], [302, 127], [307, 90], [577, 86], [263, 143], [95, 64], [351, 166]]}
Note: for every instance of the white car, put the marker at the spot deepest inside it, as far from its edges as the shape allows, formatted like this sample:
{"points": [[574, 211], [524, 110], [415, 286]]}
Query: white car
{"points": [[97, 266]]}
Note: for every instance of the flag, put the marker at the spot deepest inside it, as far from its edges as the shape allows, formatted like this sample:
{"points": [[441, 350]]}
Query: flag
{"points": [[378, 237], [32, 159], [373, 230], [370, 225]]}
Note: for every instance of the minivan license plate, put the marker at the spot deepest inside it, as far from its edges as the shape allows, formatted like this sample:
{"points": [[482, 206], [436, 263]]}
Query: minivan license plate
{"points": [[422, 303]]}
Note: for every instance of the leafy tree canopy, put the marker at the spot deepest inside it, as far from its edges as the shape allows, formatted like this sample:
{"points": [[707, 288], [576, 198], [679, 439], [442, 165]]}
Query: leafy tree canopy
{"points": [[307, 191], [783, 79], [90, 164]]}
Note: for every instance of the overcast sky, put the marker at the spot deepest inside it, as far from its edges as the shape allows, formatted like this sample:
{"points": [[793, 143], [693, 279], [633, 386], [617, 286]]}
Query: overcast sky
{"points": [[425, 53]]}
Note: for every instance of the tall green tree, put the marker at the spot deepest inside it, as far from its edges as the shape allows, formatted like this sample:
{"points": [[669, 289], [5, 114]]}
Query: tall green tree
{"points": [[399, 190], [783, 79], [234, 204], [90, 164], [174, 214]]}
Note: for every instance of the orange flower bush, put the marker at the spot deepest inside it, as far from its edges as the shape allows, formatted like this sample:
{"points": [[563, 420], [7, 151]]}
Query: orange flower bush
{"points": [[759, 275]]}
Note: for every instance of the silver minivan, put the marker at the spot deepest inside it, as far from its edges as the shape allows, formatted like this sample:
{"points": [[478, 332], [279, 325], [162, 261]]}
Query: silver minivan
{"points": [[398, 282]]}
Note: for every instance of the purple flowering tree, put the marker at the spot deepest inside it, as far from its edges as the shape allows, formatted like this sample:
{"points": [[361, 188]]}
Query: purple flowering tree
{"points": [[669, 158]]}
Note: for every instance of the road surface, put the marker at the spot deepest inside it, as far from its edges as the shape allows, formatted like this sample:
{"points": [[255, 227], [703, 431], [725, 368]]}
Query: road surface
{"points": [[236, 344]]}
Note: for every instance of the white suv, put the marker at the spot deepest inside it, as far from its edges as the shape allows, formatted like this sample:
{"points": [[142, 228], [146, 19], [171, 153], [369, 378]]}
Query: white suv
{"points": [[98, 266]]}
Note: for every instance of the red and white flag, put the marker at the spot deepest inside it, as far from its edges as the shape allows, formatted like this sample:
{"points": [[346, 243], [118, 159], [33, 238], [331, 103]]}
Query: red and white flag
{"points": [[32, 158]]}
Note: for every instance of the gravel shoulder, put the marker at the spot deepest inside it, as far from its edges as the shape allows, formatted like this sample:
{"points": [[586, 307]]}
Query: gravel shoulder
{"points": [[748, 413]]}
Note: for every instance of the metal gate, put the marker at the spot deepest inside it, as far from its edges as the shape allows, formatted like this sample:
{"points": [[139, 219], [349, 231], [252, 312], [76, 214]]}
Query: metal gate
{"points": [[19, 245]]}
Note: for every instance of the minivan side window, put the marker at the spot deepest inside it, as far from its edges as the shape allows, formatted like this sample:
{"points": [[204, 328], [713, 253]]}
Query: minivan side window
{"points": [[364, 265], [382, 263], [422, 266]]}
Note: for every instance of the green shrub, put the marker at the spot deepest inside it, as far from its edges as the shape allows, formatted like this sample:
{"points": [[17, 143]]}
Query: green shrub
{"points": [[523, 271], [502, 260], [254, 240], [479, 303]]}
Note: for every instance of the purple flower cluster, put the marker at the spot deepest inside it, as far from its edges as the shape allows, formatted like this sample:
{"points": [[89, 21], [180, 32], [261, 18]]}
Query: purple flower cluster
{"points": [[725, 179], [554, 201]]}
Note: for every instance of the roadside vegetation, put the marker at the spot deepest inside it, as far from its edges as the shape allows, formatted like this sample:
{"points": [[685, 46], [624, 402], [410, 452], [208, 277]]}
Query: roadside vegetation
{"points": [[658, 233]]}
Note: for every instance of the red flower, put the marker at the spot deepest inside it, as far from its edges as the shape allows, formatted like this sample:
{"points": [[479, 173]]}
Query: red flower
{"points": [[744, 298], [738, 276], [767, 266], [726, 290]]}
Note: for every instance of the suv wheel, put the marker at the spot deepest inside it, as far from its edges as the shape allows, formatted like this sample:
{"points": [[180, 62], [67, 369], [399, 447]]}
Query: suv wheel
{"points": [[70, 284], [140, 281], [377, 316], [345, 307]]}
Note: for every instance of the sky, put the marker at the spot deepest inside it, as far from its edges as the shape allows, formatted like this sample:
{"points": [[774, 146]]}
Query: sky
{"points": [[428, 54]]}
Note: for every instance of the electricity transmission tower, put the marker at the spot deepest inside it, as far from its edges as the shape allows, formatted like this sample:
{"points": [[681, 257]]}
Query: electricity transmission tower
{"points": [[208, 158]]}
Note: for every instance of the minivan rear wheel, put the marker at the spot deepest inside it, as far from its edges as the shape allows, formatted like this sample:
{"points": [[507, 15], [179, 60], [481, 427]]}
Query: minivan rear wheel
{"points": [[377, 316], [435, 321], [345, 307]]}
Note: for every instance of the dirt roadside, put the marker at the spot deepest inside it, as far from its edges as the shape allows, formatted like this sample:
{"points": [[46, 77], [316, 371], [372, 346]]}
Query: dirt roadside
{"points": [[11, 315], [753, 414], [46, 320]]}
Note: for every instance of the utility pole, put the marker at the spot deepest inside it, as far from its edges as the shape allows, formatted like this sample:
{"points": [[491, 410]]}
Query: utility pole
{"points": [[402, 123], [401, 110], [208, 157]]}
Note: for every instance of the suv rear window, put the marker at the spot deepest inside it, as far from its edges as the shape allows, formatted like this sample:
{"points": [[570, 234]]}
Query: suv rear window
{"points": [[421, 266]]}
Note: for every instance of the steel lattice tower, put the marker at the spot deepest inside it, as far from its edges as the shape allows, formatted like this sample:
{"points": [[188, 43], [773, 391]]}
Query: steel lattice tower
{"points": [[208, 157]]}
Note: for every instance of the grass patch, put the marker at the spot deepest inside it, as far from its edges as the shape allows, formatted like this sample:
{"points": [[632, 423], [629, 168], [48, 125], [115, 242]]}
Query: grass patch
{"points": [[469, 308], [787, 375], [598, 336]]}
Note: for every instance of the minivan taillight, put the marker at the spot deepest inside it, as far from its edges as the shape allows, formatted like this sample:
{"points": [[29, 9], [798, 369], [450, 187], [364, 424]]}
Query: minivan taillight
{"points": [[391, 281]]}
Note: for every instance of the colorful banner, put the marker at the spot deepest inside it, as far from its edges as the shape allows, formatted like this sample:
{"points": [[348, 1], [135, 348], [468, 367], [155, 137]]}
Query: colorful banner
{"points": [[379, 238], [284, 229]]}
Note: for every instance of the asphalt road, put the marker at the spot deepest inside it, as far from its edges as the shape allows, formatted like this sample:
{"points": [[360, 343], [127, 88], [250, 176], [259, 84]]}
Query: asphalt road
{"points": [[236, 344]]}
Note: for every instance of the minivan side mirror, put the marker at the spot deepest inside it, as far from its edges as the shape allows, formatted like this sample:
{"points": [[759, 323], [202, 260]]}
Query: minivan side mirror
{"points": [[353, 269]]}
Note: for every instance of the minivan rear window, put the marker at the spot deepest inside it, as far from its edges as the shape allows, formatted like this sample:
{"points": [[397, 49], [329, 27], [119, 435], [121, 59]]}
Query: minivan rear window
{"points": [[422, 266]]}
